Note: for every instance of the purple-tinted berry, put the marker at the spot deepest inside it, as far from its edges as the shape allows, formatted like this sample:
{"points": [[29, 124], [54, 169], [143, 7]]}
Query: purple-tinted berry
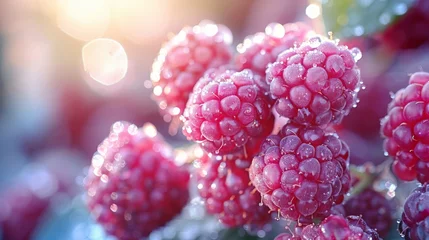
{"points": [[374, 208], [302, 172], [315, 83], [261, 49], [224, 185], [228, 112], [406, 129], [415, 218], [184, 59], [133, 185]]}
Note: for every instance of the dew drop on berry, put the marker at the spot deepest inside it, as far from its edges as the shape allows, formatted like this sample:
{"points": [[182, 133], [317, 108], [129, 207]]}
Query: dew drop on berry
{"points": [[357, 54], [314, 42]]}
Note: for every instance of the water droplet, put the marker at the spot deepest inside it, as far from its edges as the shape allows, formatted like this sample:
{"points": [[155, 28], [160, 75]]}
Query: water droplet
{"points": [[357, 54], [275, 30], [314, 42], [392, 95], [386, 154]]}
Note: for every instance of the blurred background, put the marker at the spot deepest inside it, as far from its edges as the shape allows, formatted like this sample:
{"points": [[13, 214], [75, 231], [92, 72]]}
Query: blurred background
{"points": [[58, 97]]}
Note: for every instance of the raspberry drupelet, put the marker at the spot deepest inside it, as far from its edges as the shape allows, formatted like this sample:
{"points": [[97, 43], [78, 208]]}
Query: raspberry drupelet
{"points": [[302, 172], [406, 129], [374, 208], [261, 49], [414, 223], [133, 185], [316, 83], [335, 227], [184, 59], [223, 182], [228, 111]]}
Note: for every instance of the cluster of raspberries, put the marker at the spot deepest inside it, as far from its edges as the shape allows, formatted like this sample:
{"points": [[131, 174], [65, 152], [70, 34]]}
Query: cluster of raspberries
{"points": [[229, 105]]}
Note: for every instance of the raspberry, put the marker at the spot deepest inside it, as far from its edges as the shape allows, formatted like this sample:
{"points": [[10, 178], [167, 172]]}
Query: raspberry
{"points": [[302, 172], [224, 185], [228, 110], [261, 49], [184, 59], [406, 129], [374, 208], [340, 228], [316, 83], [415, 218], [133, 185], [335, 227]]}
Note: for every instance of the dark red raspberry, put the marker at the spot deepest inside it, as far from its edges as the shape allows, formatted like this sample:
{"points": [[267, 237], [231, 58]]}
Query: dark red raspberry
{"points": [[340, 228], [227, 111], [133, 185], [414, 224], [374, 208], [406, 129], [302, 172], [316, 83], [184, 59], [261, 49], [409, 31], [224, 184]]}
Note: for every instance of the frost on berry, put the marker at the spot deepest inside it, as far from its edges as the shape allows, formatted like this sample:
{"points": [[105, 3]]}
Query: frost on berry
{"points": [[261, 49], [406, 130], [302, 172], [335, 227], [374, 208], [225, 188], [184, 59], [316, 83], [227, 111], [133, 185], [415, 218]]}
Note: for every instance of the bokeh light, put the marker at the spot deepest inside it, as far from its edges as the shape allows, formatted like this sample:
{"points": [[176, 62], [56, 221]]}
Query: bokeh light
{"points": [[83, 19], [105, 60]]}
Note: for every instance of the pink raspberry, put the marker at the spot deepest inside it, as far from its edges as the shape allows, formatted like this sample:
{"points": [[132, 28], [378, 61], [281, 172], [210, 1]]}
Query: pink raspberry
{"points": [[224, 185], [335, 227], [227, 111], [414, 224], [315, 83], [374, 208], [184, 59], [261, 49], [406, 129], [133, 185], [302, 172]]}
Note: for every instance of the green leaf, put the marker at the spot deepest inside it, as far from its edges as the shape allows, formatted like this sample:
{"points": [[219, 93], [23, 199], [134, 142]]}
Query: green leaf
{"points": [[352, 18]]}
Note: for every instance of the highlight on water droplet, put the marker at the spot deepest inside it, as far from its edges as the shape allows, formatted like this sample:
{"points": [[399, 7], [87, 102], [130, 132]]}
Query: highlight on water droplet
{"points": [[314, 42], [105, 60], [357, 54]]}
